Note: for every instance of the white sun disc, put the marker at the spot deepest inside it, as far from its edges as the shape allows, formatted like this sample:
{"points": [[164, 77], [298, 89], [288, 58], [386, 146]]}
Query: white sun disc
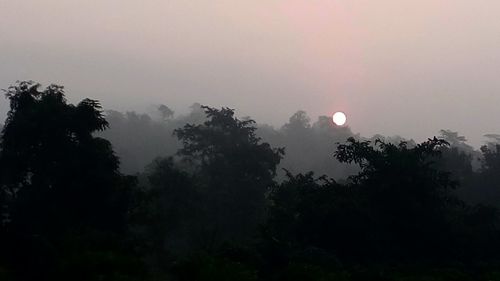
{"points": [[339, 118]]}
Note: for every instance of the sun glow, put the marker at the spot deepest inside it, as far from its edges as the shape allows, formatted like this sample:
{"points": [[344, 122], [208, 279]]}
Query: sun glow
{"points": [[339, 118]]}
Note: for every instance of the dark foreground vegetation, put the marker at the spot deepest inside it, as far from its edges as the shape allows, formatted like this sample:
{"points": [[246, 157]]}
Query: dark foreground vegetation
{"points": [[219, 209]]}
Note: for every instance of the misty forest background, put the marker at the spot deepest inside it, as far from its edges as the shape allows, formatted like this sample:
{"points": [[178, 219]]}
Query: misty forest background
{"points": [[87, 194]]}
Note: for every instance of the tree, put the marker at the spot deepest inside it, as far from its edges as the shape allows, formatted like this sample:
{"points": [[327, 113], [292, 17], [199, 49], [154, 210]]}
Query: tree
{"points": [[52, 162], [316, 215], [486, 185], [408, 197], [165, 111], [298, 122], [455, 140], [171, 212], [61, 182], [233, 169]]}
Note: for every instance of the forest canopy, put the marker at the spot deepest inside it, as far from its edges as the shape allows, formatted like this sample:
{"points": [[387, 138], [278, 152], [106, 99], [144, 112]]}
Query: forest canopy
{"points": [[88, 194]]}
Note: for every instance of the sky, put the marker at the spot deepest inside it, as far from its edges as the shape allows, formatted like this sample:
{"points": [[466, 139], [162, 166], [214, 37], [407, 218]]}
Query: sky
{"points": [[396, 67]]}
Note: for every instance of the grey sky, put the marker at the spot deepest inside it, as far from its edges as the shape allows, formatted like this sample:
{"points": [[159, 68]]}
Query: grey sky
{"points": [[394, 66]]}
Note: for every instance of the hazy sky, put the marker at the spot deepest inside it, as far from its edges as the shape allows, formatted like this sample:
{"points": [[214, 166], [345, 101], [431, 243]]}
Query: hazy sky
{"points": [[394, 66]]}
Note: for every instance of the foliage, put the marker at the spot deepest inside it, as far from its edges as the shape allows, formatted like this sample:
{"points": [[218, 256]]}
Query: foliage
{"points": [[399, 206], [219, 210], [234, 170], [316, 214], [213, 191], [165, 112], [56, 177]]}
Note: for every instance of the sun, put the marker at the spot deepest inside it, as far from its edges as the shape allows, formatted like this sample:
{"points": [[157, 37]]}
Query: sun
{"points": [[339, 118]]}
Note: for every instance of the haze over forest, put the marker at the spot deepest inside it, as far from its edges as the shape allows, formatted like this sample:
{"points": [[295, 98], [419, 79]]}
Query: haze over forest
{"points": [[406, 68], [193, 140]]}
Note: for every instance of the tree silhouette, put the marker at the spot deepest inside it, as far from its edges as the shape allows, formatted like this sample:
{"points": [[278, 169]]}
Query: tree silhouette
{"points": [[408, 196], [58, 178], [316, 216], [170, 215], [486, 187], [234, 170], [165, 111]]}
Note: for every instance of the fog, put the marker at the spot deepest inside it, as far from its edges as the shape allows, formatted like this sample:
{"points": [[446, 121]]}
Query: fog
{"points": [[395, 67], [194, 140]]}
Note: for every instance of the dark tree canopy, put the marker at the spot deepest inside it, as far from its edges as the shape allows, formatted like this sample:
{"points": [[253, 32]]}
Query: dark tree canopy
{"points": [[232, 169], [60, 185], [218, 210], [409, 198], [52, 162], [400, 207], [225, 140], [317, 215]]}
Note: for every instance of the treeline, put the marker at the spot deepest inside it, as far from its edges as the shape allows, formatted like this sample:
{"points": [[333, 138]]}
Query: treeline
{"points": [[139, 138], [214, 207]]}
